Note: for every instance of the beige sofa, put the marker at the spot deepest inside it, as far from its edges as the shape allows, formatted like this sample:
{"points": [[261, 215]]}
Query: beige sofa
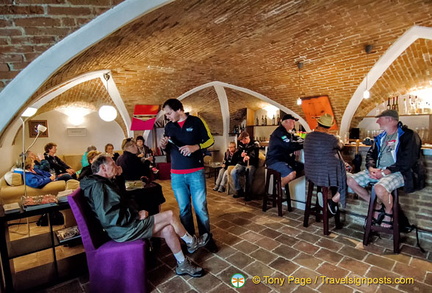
{"points": [[12, 187], [258, 185]]}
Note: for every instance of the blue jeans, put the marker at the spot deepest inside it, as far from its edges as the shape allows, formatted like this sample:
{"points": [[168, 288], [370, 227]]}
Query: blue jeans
{"points": [[240, 170], [191, 188]]}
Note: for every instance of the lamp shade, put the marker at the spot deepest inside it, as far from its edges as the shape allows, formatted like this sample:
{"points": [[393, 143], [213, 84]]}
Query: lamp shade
{"points": [[107, 113], [41, 128], [30, 111]]}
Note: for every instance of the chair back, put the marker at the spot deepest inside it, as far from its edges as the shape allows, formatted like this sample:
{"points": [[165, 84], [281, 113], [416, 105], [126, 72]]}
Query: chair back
{"points": [[92, 233]]}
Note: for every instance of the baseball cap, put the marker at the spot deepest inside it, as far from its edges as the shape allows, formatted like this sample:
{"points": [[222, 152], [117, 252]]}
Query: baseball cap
{"points": [[289, 116], [389, 113]]}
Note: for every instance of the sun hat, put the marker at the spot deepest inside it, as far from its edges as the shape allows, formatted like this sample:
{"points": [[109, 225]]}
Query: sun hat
{"points": [[326, 120]]}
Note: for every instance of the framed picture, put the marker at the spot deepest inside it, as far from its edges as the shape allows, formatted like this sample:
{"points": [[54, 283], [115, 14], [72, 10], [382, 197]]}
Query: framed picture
{"points": [[33, 124]]}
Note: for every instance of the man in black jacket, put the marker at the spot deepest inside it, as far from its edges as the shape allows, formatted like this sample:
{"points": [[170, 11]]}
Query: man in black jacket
{"points": [[282, 145], [394, 160], [247, 158]]}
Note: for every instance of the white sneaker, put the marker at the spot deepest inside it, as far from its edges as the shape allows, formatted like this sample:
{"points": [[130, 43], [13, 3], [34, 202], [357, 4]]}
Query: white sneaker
{"points": [[320, 199]]}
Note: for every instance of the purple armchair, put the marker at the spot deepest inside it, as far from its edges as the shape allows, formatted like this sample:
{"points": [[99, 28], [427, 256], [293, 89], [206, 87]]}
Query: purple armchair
{"points": [[113, 266]]}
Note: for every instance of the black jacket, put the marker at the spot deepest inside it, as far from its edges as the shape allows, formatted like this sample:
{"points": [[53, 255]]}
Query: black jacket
{"points": [[251, 149], [409, 158], [281, 147]]}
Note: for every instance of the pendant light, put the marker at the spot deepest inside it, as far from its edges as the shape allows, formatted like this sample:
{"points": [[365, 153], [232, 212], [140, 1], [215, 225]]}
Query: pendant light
{"points": [[299, 66], [366, 93]]}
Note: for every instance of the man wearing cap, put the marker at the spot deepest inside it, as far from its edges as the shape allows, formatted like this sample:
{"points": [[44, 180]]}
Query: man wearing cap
{"points": [[247, 158], [323, 163], [282, 145], [394, 160]]}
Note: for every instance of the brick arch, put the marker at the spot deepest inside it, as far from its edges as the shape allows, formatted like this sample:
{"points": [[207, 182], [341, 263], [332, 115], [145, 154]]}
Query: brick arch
{"points": [[223, 101], [404, 41], [16, 94]]}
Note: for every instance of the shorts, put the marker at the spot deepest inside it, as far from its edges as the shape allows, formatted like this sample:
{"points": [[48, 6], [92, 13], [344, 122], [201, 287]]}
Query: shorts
{"points": [[283, 168], [390, 182]]}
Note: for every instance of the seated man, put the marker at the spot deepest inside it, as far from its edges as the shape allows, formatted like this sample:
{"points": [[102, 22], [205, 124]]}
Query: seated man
{"points": [[394, 160], [282, 145], [123, 223], [149, 199], [61, 169], [223, 172], [247, 158], [323, 164]]}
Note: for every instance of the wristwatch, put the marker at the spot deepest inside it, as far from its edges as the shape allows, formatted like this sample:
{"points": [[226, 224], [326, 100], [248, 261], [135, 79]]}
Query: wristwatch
{"points": [[383, 174]]}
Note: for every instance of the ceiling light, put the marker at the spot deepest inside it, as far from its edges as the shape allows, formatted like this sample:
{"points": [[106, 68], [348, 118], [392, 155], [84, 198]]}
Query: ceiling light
{"points": [[299, 101], [107, 113], [299, 66]]}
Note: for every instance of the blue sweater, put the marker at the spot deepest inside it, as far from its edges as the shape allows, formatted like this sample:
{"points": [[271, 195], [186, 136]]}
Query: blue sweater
{"points": [[38, 180]]}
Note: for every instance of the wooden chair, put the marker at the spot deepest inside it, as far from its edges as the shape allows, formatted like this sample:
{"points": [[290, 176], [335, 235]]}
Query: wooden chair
{"points": [[393, 230], [276, 194], [317, 210]]}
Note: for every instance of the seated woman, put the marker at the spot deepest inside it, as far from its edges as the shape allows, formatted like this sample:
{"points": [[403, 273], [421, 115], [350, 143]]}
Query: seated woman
{"points": [[61, 169], [36, 178], [84, 161], [223, 172], [87, 171], [109, 150], [145, 154], [323, 164]]}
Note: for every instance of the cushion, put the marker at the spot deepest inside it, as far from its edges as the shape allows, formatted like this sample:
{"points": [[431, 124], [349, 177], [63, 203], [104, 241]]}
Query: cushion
{"points": [[13, 179]]}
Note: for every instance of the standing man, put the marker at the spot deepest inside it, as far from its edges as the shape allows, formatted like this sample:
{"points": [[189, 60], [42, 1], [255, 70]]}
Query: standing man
{"points": [[394, 160], [247, 158], [124, 223], [185, 137], [282, 145]]}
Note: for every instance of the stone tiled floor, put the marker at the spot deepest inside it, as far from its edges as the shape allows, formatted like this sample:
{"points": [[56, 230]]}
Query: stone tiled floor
{"points": [[257, 243]]}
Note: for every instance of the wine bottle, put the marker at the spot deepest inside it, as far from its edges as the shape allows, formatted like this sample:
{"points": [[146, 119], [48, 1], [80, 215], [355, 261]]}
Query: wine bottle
{"points": [[397, 104], [265, 120], [388, 104], [257, 121], [262, 120]]}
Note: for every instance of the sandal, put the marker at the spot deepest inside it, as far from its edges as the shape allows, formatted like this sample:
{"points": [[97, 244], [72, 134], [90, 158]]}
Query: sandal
{"points": [[389, 223], [376, 221]]}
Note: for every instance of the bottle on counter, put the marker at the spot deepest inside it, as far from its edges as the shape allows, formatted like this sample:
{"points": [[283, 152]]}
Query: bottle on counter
{"points": [[388, 104]]}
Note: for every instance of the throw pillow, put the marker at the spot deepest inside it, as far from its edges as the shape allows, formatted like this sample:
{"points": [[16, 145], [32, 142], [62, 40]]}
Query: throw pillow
{"points": [[13, 179]]}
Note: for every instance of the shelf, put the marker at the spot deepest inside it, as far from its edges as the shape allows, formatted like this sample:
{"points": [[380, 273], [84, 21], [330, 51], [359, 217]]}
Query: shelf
{"points": [[46, 274], [401, 115]]}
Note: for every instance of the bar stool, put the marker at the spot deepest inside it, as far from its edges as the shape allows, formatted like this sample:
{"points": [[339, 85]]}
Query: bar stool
{"points": [[393, 230], [276, 193], [317, 209]]}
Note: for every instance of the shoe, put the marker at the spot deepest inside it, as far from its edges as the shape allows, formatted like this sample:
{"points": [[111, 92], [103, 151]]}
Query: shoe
{"points": [[284, 195], [215, 188], [211, 246], [389, 224], [332, 206], [221, 189], [239, 193], [320, 199], [188, 268], [197, 243]]}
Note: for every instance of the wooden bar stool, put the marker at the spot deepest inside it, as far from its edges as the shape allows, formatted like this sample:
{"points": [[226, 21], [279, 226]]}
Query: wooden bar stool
{"points": [[393, 230], [317, 210], [276, 195]]}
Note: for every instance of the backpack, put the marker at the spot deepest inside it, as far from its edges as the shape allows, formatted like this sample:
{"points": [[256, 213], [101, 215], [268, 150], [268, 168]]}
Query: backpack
{"points": [[406, 227]]}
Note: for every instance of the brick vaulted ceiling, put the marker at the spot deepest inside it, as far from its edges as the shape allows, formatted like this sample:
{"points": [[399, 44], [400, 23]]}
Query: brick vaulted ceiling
{"points": [[253, 44]]}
